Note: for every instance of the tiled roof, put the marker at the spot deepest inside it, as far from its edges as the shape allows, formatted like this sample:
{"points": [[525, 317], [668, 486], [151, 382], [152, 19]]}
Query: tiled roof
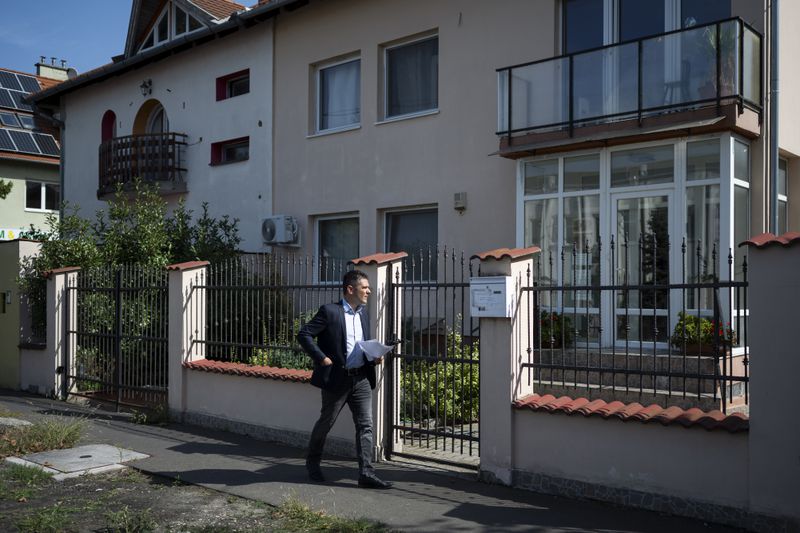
{"points": [[709, 420], [46, 83], [187, 265], [767, 239], [239, 369], [379, 259], [511, 253], [219, 9]]}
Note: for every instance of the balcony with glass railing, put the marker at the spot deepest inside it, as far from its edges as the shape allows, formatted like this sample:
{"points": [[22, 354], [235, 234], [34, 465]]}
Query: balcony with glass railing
{"points": [[703, 66]]}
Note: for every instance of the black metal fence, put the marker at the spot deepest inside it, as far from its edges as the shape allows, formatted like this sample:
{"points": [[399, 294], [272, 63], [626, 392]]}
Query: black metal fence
{"points": [[439, 393], [250, 308], [118, 348], [624, 328]]}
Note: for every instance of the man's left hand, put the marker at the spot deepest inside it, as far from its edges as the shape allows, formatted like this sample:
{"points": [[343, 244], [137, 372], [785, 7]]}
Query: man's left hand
{"points": [[378, 360]]}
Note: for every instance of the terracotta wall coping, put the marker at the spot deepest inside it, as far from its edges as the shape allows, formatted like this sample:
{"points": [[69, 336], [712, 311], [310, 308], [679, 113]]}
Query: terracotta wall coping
{"points": [[766, 239], [511, 253], [709, 420], [379, 259], [188, 265], [240, 369], [63, 270]]}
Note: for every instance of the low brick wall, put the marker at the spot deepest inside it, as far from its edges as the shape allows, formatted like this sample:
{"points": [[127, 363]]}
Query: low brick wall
{"points": [[267, 403]]}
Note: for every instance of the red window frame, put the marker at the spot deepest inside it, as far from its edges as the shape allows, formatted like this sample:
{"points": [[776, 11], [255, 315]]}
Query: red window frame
{"points": [[218, 148], [222, 83]]}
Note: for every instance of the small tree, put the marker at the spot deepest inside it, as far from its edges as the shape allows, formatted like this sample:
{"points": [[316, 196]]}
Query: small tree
{"points": [[5, 188]]}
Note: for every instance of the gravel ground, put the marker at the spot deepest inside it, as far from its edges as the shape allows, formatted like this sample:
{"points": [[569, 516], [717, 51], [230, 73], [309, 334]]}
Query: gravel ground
{"points": [[126, 500]]}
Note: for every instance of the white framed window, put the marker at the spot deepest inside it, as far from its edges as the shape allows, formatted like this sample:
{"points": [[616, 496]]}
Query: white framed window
{"points": [[411, 77], [588, 24], [415, 231], [337, 242], [338, 90], [683, 197], [42, 196], [172, 22], [9, 119], [783, 196]]}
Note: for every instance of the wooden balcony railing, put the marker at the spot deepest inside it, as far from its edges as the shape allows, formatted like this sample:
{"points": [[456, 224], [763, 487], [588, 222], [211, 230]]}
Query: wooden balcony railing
{"points": [[152, 157]]}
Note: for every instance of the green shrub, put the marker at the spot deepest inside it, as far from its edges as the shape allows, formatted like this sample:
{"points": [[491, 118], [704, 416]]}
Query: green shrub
{"points": [[448, 392]]}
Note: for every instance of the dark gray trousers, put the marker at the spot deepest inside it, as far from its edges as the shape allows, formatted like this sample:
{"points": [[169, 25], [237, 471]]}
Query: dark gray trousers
{"points": [[357, 394]]}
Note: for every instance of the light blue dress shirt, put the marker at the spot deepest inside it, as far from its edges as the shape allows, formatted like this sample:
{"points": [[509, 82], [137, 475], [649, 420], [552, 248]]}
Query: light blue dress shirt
{"points": [[355, 333]]}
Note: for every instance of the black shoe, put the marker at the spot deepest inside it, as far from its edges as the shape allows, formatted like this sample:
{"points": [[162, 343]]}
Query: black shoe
{"points": [[373, 482], [314, 472]]}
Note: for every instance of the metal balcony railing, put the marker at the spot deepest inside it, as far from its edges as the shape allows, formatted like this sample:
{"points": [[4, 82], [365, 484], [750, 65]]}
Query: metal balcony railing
{"points": [[152, 157], [704, 65]]}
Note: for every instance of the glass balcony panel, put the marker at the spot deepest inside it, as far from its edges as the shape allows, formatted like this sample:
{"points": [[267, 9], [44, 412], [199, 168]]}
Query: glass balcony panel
{"points": [[605, 82], [729, 58], [752, 70], [502, 100], [538, 94]]}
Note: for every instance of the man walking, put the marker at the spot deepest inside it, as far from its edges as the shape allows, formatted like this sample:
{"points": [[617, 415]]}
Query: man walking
{"points": [[343, 373]]}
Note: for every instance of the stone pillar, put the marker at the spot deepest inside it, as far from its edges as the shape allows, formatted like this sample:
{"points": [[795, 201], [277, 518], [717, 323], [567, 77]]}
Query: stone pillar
{"points": [[187, 320], [774, 302], [384, 316], [503, 348], [62, 317]]}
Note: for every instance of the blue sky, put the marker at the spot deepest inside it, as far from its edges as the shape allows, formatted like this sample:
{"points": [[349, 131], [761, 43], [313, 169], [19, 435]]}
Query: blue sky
{"points": [[84, 32]]}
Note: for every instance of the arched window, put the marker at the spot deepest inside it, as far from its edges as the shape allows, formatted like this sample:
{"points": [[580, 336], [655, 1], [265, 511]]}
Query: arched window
{"points": [[158, 122], [108, 127]]}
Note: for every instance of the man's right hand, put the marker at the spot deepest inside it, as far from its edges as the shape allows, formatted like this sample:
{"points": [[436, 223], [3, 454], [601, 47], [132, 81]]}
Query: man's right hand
{"points": [[327, 362]]}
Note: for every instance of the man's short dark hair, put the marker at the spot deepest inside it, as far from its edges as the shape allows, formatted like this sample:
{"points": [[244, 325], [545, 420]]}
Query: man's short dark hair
{"points": [[352, 277]]}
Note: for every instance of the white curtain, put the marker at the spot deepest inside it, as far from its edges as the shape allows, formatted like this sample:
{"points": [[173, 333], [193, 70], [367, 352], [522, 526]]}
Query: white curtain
{"points": [[340, 98]]}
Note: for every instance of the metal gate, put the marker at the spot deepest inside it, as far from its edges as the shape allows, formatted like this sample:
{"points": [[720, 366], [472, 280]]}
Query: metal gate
{"points": [[436, 398], [117, 336]]}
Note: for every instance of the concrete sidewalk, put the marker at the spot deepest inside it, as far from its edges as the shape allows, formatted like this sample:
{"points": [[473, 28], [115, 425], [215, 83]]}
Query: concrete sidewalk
{"points": [[422, 499]]}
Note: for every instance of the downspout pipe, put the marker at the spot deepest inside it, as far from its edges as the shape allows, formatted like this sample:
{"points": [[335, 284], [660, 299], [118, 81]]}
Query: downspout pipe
{"points": [[773, 115]]}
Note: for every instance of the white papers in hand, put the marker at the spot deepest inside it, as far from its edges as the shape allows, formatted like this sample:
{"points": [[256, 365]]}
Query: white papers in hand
{"points": [[374, 349]]}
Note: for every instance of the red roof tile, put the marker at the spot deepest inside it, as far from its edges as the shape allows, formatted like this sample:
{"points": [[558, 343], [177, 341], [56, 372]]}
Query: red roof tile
{"points": [[379, 259], [511, 253], [766, 239], [219, 9], [187, 265], [239, 369], [710, 420]]}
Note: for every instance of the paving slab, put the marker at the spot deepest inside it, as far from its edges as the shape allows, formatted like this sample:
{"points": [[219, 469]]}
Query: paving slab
{"points": [[7, 422], [79, 461]]}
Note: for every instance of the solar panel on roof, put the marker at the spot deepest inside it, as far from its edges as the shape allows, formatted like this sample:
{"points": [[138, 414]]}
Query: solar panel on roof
{"points": [[47, 144], [29, 83], [24, 141], [17, 96], [9, 80], [5, 141], [9, 119], [6, 100]]}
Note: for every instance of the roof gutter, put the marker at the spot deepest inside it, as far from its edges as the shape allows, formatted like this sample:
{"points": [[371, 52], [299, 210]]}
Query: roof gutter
{"points": [[237, 21]]}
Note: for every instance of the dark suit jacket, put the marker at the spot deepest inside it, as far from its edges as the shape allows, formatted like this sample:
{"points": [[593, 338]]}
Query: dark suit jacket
{"points": [[329, 329]]}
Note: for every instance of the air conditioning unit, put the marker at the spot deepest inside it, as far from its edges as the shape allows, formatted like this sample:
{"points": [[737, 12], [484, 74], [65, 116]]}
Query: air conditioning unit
{"points": [[280, 229]]}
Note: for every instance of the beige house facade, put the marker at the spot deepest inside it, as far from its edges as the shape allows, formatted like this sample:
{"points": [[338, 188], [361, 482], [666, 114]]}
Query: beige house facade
{"points": [[372, 171], [628, 140]]}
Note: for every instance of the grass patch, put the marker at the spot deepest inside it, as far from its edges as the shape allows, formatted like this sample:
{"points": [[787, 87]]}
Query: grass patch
{"points": [[5, 413], [130, 521], [294, 515], [52, 433], [55, 519], [19, 482]]}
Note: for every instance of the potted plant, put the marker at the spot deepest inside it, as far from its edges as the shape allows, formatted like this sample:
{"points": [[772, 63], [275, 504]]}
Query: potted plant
{"points": [[700, 335]]}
